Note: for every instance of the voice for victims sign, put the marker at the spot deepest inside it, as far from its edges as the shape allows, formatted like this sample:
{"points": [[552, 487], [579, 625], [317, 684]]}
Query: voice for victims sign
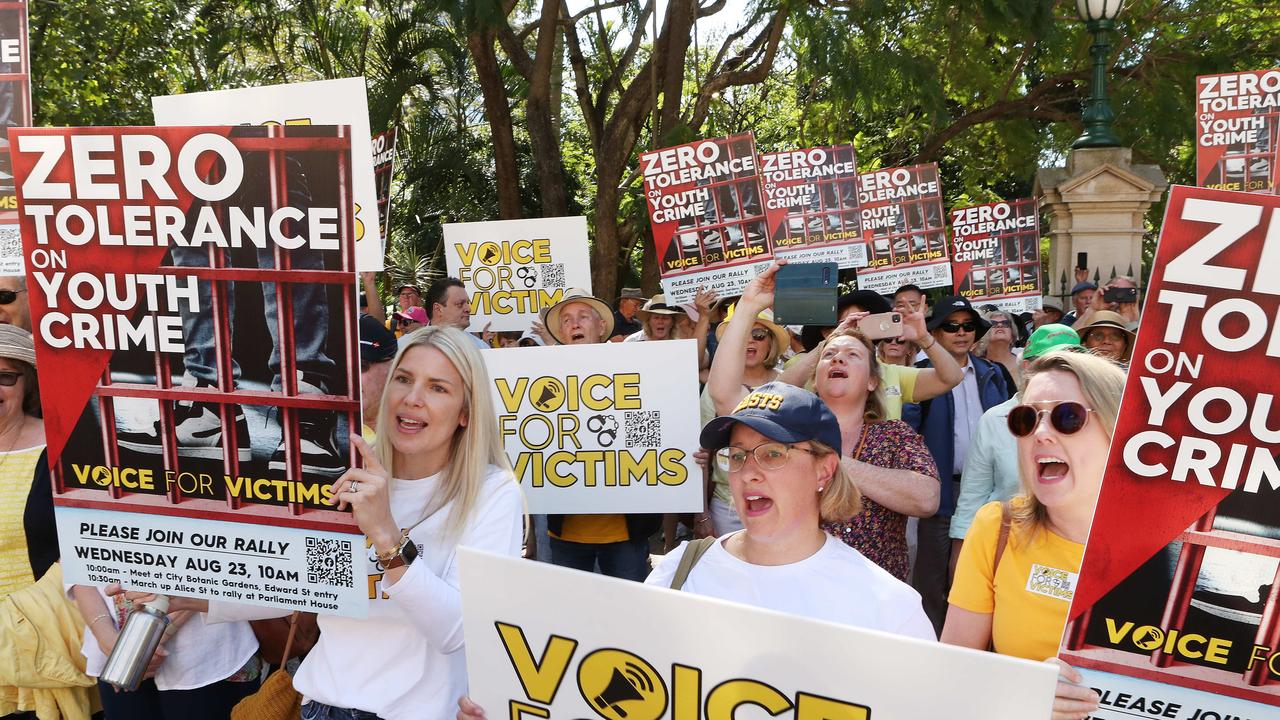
{"points": [[578, 645], [995, 255], [340, 102], [512, 269], [811, 202], [149, 367], [900, 214], [603, 428], [1238, 130], [708, 221], [1180, 619]]}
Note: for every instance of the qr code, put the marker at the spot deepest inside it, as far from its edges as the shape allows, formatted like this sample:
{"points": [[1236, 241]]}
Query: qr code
{"points": [[643, 428], [329, 562], [10, 241], [552, 275]]}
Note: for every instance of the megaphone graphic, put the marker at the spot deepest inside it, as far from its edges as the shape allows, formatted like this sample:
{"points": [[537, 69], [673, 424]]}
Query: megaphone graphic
{"points": [[620, 689]]}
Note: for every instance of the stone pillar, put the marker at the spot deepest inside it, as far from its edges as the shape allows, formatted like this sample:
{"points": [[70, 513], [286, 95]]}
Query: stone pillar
{"points": [[1097, 204]]}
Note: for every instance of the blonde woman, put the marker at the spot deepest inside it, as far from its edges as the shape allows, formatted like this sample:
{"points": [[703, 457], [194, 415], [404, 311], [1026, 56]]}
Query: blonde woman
{"points": [[1063, 426], [436, 478]]}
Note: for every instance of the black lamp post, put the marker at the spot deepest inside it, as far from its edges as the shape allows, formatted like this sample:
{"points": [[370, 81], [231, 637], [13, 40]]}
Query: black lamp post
{"points": [[1099, 16]]}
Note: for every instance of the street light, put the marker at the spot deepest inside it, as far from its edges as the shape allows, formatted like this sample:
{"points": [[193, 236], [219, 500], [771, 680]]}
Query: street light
{"points": [[1099, 16]]}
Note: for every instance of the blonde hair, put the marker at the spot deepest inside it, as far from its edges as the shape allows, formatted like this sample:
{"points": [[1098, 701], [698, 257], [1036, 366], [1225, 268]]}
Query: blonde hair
{"points": [[980, 347], [674, 334], [476, 446], [1101, 383], [840, 499], [874, 410]]}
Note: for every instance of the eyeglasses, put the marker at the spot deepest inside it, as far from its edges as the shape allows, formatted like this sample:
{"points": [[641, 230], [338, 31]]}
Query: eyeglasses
{"points": [[893, 341], [769, 456], [1001, 323], [8, 296], [9, 379], [760, 334], [955, 327], [1067, 418]]}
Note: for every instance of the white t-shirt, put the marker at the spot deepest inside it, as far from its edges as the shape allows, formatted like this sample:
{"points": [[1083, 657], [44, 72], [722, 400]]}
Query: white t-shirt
{"points": [[836, 584], [200, 652], [405, 659]]}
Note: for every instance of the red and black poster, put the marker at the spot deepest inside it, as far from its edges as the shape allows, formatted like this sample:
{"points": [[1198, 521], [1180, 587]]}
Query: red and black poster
{"points": [[811, 200], [903, 224], [1178, 601], [158, 261], [707, 216], [384, 167], [995, 254], [15, 111], [1237, 128]]}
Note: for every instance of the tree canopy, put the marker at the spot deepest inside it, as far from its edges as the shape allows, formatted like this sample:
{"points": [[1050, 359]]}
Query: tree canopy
{"points": [[523, 108]]}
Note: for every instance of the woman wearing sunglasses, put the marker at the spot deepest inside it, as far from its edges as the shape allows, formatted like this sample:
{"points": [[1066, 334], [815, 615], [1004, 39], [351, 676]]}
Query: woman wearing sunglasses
{"points": [[896, 351], [1063, 428]]}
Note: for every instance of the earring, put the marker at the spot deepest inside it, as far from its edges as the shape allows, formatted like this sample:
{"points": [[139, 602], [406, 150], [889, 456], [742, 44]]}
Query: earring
{"points": [[821, 488]]}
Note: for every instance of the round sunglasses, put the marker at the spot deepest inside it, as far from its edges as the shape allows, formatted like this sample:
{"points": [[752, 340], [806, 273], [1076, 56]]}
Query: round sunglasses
{"points": [[1067, 418]]}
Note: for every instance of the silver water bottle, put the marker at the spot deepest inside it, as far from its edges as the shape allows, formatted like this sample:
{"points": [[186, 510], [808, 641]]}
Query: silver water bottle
{"points": [[136, 644]]}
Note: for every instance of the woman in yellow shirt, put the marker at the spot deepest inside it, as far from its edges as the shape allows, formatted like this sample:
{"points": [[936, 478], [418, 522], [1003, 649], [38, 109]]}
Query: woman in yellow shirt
{"points": [[1016, 598]]}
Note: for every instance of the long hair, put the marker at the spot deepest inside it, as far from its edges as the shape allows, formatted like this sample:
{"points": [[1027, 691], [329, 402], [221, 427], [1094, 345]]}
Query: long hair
{"points": [[475, 446], [840, 499], [874, 410], [1102, 383], [980, 348]]}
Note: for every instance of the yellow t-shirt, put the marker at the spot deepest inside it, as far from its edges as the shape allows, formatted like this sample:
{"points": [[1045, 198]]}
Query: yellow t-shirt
{"points": [[1031, 593], [594, 529], [899, 385], [17, 469]]}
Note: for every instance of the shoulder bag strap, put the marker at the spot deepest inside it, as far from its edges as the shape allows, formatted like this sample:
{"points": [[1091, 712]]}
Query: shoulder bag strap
{"points": [[1003, 539], [692, 553], [288, 643]]}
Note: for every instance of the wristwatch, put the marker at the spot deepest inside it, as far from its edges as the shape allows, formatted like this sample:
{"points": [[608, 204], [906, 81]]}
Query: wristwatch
{"points": [[405, 555]]}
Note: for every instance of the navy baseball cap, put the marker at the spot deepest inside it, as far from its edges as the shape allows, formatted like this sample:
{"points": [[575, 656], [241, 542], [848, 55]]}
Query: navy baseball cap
{"points": [[1081, 286], [780, 412], [377, 343]]}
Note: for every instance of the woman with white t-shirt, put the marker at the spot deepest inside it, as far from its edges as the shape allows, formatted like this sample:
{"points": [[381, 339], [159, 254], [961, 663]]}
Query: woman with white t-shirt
{"points": [[781, 451], [452, 486]]}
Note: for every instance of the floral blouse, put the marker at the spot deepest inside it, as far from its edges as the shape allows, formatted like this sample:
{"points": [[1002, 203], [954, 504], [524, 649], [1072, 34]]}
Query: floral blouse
{"points": [[879, 533]]}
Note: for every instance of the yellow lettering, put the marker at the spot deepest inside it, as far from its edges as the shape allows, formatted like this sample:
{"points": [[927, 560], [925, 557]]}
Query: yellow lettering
{"points": [[540, 679]]}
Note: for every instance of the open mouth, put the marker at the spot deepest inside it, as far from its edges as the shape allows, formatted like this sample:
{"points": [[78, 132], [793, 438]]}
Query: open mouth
{"points": [[1051, 469], [838, 373], [758, 505], [409, 425], [577, 336]]}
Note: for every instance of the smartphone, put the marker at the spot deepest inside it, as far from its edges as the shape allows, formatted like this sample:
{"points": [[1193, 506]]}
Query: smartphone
{"points": [[806, 294], [1120, 295], [881, 325], [1082, 260]]}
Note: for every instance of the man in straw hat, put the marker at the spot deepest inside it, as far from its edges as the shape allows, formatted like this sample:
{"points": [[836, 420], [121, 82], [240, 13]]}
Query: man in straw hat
{"points": [[619, 544]]}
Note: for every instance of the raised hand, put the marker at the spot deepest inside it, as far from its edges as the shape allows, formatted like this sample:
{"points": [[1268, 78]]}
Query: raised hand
{"points": [[367, 492]]}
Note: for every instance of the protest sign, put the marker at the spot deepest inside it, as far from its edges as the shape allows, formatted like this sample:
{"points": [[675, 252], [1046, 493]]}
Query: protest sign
{"points": [[811, 201], [900, 212], [157, 260], [514, 268], [384, 167], [15, 111], [708, 222], [323, 102], [1178, 584], [1237, 130], [995, 254], [572, 644], [601, 428]]}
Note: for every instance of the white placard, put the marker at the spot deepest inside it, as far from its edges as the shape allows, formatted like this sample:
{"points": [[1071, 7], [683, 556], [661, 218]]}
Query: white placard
{"points": [[268, 565], [603, 428], [323, 102], [514, 268], [1125, 698], [548, 642]]}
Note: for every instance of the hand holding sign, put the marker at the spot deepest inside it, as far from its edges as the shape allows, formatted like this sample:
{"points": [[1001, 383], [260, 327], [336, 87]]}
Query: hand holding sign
{"points": [[1071, 700], [367, 493]]}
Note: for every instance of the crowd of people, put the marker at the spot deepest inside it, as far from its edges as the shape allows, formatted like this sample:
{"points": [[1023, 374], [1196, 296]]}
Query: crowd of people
{"points": [[917, 477]]}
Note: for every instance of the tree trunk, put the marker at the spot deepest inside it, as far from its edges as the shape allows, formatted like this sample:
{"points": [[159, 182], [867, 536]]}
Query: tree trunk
{"points": [[498, 113], [539, 116]]}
